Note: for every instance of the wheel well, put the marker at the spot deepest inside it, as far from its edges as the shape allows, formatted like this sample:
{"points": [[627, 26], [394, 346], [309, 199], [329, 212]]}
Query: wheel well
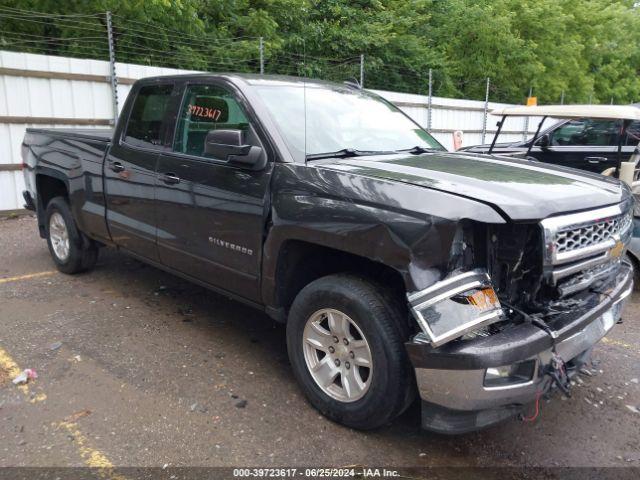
{"points": [[636, 268], [48, 188], [300, 263]]}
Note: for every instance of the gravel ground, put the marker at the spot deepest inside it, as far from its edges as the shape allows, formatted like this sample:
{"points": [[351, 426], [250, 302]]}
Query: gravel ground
{"points": [[137, 367]]}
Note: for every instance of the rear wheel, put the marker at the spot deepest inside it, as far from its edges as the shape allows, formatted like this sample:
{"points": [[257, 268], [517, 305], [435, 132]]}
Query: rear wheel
{"points": [[347, 351], [71, 251]]}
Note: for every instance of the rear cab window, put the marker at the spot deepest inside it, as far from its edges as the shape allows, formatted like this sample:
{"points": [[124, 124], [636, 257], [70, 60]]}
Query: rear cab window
{"points": [[146, 126]]}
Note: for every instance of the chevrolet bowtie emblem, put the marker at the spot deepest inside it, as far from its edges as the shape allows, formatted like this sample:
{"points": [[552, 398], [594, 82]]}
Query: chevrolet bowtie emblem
{"points": [[617, 249]]}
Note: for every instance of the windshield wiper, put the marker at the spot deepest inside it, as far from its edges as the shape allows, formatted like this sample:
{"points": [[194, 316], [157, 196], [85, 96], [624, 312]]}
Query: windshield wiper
{"points": [[417, 150], [347, 153]]}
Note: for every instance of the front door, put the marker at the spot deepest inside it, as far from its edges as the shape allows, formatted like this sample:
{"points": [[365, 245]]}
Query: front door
{"points": [[130, 171], [211, 215]]}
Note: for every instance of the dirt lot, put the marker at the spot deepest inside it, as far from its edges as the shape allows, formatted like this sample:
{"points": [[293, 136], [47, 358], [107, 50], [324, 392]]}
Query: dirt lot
{"points": [[138, 367]]}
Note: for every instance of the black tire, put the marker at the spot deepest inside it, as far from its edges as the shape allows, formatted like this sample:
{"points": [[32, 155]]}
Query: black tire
{"points": [[380, 321], [636, 272], [82, 252]]}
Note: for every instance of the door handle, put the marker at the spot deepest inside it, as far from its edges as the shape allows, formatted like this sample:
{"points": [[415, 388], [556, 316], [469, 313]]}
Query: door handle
{"points": [[116, 167], [596, 159], [170, 178]]}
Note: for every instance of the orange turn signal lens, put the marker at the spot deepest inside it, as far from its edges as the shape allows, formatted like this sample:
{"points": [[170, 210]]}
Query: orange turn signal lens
{"points": [[484, 299]]}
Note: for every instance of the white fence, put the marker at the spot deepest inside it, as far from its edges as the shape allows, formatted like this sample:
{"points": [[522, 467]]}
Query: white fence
{"points": [[48, 91]]}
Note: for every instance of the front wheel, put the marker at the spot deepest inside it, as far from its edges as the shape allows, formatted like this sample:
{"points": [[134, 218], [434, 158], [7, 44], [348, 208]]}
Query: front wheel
{"points": [[70, 250], [346, 347], [636, 271]]}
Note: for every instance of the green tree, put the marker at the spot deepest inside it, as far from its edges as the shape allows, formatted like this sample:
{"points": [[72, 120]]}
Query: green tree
{"points": [[584, 49]]}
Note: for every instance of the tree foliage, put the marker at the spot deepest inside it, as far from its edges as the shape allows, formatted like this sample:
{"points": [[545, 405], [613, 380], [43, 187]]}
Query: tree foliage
{"points": [[584, 50]]}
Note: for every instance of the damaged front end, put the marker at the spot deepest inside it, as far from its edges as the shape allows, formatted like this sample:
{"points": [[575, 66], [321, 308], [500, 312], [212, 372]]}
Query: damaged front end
{"points": [[517, 313]]}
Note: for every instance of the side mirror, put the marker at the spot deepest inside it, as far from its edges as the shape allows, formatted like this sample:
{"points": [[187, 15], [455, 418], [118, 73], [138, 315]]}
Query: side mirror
{"points": [[229, 145], [544, 141]]}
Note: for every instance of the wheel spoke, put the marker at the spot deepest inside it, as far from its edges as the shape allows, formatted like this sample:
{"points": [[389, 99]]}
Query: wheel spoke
{"points": [[318, 337], [325, 372], [362, 355], [352, 383], [338, 325]]}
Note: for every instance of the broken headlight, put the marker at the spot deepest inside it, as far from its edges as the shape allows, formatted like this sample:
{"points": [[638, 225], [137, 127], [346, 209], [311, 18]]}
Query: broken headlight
{"points": [[455, 306]]}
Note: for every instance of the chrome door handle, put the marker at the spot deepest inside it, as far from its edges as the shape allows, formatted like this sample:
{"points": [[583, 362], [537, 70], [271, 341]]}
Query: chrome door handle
{"points": [[170, 178], [116, 167], [596, 159]]}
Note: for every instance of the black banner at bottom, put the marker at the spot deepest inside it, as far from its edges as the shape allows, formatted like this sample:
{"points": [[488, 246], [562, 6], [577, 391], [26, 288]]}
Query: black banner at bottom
{"points": [[347, 472]]}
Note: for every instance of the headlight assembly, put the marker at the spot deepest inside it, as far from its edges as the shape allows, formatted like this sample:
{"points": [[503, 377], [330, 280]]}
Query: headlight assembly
{"points": [[455, 306]]}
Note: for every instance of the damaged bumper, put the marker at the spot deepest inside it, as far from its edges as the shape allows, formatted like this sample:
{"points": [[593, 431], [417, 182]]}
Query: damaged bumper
{"points": [[468, 385]]}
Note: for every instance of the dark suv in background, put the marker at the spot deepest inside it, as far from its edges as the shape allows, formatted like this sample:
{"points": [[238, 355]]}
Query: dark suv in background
{"points": [[585, 143]]}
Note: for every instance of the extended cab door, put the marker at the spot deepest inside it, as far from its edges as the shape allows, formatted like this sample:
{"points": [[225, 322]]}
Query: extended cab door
{"points": [[211, 214], [130, 168]]}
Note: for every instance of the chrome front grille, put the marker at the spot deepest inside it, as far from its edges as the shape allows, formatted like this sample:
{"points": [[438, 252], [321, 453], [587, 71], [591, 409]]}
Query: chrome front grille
{"points": [[578, 243], [597, 233]]}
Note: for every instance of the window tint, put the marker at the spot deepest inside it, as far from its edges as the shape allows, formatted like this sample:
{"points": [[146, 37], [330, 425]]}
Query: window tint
{"points": [[206, 108], [633, 134], [586, 131], [144, 127]]}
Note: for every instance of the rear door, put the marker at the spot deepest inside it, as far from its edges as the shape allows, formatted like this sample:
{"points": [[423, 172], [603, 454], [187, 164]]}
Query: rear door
{"points": [[130, 169], [211, 215]]}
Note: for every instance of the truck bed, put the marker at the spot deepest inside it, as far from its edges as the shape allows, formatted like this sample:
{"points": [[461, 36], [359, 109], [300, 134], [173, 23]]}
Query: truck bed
{"points": [[95, 134]]}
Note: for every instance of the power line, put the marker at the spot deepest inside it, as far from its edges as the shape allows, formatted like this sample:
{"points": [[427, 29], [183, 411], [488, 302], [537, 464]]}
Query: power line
{"points": [[171, 43], [48, 15], [41, 37], [49, 24], [182, 33]]}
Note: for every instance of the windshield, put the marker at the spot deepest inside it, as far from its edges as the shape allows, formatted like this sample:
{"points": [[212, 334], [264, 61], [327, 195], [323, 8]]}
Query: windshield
{"points": [[339, 117]]}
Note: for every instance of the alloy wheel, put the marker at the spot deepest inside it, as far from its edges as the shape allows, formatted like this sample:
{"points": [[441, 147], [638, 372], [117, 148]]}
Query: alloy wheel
{"points": [[337, 355], [59, 236]]}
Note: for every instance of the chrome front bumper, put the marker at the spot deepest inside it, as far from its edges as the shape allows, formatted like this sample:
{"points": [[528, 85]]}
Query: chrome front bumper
{"points": [[451, 378]]}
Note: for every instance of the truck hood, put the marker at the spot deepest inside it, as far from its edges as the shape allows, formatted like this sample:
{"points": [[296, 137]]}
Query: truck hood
{"points": [[517, 189]]}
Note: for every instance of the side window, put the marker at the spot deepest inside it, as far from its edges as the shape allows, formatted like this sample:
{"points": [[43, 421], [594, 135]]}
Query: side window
{"points": [[205, 108], [633, 134], [144, 127], [586, 132]]}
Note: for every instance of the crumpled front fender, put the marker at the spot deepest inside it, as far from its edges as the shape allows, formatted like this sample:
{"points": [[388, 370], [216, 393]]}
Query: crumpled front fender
{"points": [[403, 226]]}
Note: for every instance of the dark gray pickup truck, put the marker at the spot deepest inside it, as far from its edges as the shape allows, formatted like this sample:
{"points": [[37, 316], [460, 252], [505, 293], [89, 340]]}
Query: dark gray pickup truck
{"points": [[478, 283]]}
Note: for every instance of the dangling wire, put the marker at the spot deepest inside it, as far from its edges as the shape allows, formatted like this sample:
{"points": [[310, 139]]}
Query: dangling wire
{"points": [[537, 411]]}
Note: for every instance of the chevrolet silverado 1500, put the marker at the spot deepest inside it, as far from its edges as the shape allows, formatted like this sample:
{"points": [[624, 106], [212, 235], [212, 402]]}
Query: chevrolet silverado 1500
{"points": [[475, 282]]}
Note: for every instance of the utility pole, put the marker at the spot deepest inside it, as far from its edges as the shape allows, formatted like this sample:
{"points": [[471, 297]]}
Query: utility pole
{"points": [[562, 98], [261, 56], [430, 97], [362, 70], [486, 112], [112, 69]]}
